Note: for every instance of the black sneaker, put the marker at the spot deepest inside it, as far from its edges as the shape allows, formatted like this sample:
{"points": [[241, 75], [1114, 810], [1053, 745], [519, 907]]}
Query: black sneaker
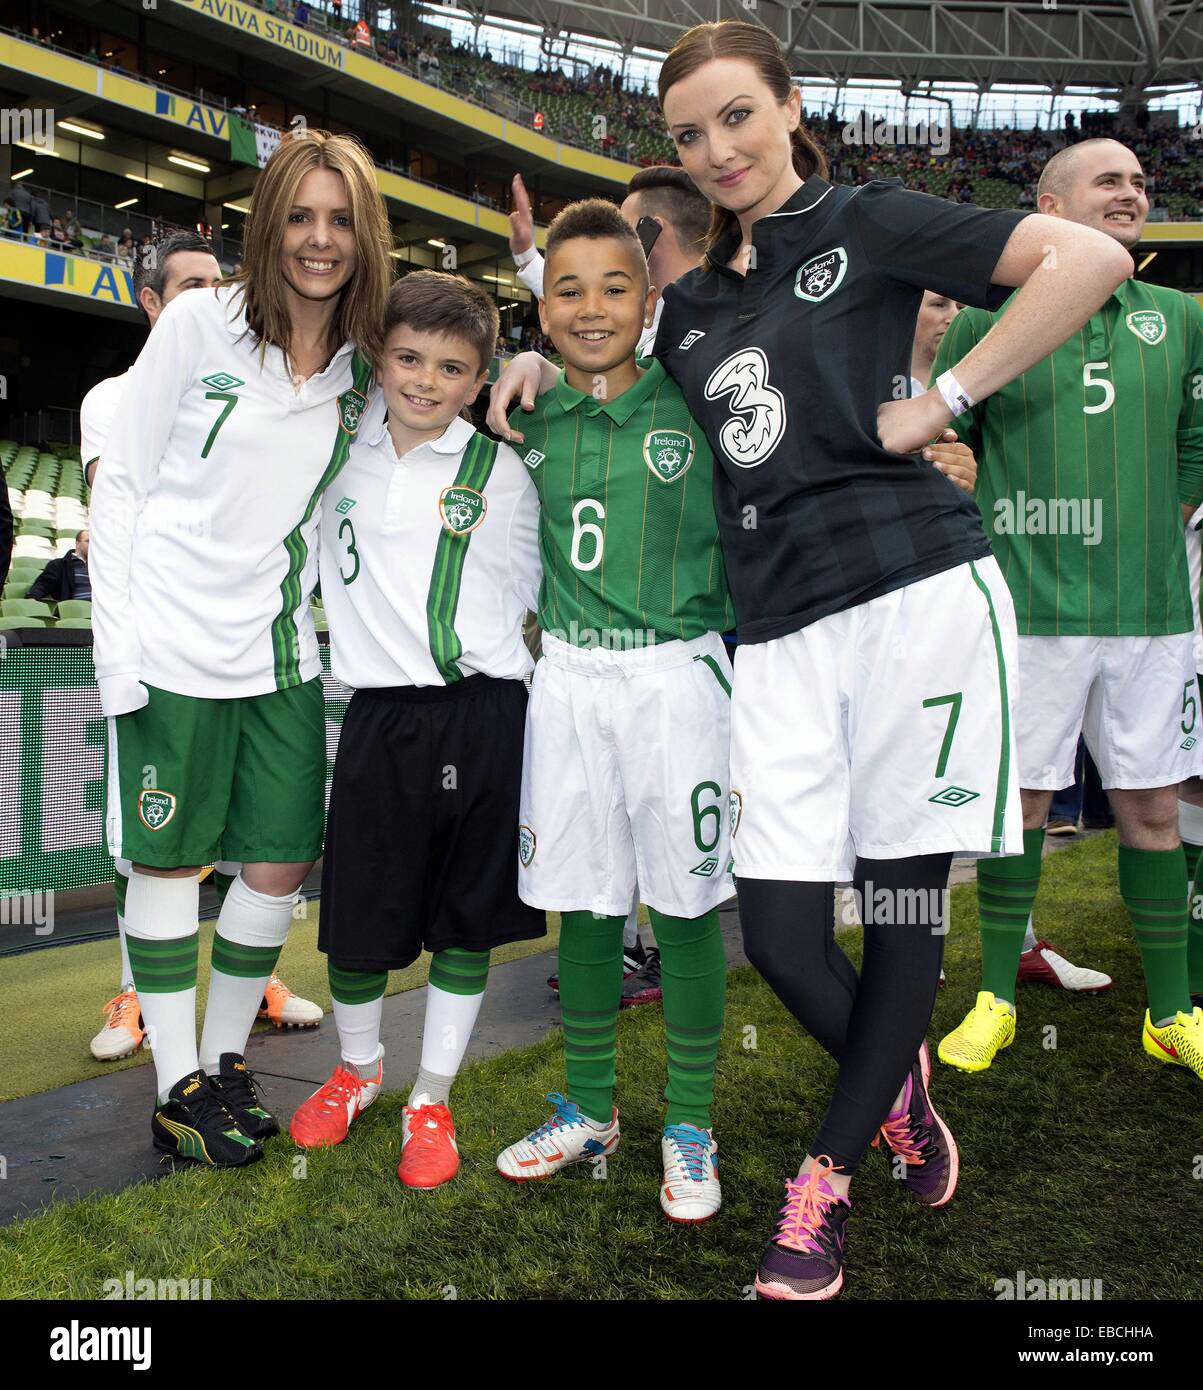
{"points": [[633, 959], [236, 1087], [643, 987], [193, 1124]]}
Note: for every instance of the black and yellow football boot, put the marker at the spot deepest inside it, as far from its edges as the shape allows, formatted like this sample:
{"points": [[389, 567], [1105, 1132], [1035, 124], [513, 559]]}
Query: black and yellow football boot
{"points": [[195, 1125]]}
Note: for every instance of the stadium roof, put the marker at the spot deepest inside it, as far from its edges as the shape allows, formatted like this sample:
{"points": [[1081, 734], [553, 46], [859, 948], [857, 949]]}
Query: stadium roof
{"points": [[1126, 45]]}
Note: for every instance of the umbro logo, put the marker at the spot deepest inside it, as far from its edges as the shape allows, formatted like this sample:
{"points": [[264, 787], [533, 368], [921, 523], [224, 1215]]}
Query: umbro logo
{"points": [[533, 459], [690, 338]]}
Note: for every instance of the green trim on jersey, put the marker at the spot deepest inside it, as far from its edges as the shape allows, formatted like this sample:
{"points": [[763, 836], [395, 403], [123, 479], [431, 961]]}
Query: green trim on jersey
{"points": [[442, 600], [627, 531], [1004, 753], [1083, 461], [285, 641]]}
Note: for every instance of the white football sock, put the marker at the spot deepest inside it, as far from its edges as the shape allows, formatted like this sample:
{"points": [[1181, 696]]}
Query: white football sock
{"points": [[359, 1032], [247, 918], [450, 1019], [166, 909], [630, 928], [1029, 937]]}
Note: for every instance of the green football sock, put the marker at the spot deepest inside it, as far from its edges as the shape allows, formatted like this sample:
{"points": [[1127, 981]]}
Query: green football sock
{"points": [[221, 885], [356, 986], [590, 969], [693, 967], [1194, 922], [459, 971], [164, 967], [1150, 883], [1006, 890]]}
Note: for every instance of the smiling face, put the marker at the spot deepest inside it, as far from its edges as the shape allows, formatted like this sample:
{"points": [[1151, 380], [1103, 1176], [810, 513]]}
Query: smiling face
{"points": [[428, 378], [318, 253], [597, 301], [733, 135], [1104, 188]]}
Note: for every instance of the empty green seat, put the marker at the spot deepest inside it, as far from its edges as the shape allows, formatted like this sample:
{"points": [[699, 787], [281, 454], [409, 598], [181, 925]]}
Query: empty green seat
{"points": [[7, 624], [75, 608], [25, 608], [74, 622]]}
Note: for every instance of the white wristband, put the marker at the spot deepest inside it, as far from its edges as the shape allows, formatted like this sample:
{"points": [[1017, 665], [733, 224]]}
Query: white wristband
{"points": [[524, 258], [956, 398]]}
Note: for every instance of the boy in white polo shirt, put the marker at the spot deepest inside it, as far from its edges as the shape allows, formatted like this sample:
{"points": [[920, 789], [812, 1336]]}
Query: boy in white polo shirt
{"points": [[429, 562]]}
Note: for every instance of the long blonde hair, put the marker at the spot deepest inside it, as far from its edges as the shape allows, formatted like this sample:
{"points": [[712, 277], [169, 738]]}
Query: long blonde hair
{"points": [[360, 314], [736, 38]]}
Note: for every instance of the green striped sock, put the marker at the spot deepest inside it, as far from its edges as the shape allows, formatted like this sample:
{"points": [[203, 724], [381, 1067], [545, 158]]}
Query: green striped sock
{"points": [[221, 885], [1006, 890], [1150, 883], [590, 969], [1194, 921], [243, 962], [459, 971], [693, 967], [163, 967], [356, 986]]}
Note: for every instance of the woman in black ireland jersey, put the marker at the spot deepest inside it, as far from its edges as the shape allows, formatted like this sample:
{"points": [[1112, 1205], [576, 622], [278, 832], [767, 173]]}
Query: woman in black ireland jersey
{"points": [[871, 732]]}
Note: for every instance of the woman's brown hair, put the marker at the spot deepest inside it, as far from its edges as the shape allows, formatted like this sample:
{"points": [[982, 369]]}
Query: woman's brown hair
{"points": [[359, 316], [736, 38]]}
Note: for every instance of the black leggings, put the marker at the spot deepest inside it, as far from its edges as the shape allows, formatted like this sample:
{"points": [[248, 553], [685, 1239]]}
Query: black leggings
{"points": [[872, 1025]]}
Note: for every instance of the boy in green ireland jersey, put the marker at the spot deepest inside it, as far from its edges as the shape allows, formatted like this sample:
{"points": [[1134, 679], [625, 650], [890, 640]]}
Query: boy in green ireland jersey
{"points": [[625, 773]]}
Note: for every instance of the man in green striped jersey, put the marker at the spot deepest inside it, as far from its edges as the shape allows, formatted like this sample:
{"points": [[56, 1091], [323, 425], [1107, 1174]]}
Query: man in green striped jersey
{"points": [[625, 773], [1087, 463]]}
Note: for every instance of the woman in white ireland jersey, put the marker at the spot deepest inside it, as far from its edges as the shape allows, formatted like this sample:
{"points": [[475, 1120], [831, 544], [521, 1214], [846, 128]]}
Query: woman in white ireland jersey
{"points": [[239, 411]]}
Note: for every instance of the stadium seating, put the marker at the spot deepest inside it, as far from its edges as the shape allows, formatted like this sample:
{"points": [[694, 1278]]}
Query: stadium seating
{"points": [[25, 608], [9, 624], [75, 608]]}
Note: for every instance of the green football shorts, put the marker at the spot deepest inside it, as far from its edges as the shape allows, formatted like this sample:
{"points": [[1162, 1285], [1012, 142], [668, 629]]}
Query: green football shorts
{"points": [[194, 780]]}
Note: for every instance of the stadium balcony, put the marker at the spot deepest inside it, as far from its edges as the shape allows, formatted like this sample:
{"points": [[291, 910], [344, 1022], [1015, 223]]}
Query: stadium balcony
{"points": [[98, 221]]}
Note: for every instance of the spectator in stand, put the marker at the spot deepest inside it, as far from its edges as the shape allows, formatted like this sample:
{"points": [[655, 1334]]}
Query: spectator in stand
{"points": [[66, 577], [13, 221], [58, 237], [105, 249], [75, 233], [300, 16], [41, 215], [337, 7]]}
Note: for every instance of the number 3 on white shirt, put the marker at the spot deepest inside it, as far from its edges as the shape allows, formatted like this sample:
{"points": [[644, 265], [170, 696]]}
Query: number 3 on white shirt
{"points": [[581, 529], [1108, 390]]}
